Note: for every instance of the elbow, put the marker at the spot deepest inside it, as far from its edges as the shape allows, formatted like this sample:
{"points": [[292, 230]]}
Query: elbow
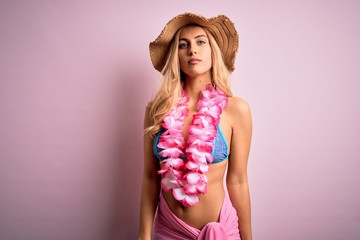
{"points": [[236, 181]]}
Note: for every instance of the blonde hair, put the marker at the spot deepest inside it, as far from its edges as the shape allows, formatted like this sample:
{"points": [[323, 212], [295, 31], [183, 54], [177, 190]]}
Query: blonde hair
{"points": [[172, 86]]}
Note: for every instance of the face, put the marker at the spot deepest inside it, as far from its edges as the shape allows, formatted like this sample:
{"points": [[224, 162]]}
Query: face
{"points": [[194, 51]]}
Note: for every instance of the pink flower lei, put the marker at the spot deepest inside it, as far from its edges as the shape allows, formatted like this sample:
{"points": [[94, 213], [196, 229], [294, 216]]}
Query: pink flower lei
{"points": [[186, 178]]}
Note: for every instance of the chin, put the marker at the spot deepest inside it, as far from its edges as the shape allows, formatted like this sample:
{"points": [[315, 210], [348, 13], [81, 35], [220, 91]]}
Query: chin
{"points": [[196, 73]]}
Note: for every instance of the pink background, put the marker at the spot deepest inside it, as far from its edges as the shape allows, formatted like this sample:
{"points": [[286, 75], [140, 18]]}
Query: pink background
{"points": [[74, 80]]}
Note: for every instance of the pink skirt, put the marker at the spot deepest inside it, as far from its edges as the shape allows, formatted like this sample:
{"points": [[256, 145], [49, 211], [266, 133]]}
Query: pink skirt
{"points": [[168, 226]]}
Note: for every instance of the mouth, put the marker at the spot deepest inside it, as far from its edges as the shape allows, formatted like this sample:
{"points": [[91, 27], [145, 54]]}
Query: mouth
{"points": [[194, 61]]}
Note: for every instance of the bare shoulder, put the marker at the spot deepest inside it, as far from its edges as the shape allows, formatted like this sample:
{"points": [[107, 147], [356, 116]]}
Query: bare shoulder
{"points": [[238, 107], [239, 113]]}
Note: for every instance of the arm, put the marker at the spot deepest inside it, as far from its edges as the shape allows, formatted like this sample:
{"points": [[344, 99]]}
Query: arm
{"points": [[237, 182], [150, 186]]}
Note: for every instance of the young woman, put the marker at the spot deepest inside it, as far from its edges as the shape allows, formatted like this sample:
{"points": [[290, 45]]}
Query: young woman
{"points": [[196, 134]]}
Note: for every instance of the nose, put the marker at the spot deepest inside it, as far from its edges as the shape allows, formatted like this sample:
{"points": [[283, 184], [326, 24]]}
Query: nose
{"points": [[193, 49]]}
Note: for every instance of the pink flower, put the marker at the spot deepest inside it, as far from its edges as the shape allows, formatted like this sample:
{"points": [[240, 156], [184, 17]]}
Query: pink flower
{"points": [[186, 199], [202, 120], [202, 188], [190, 188], [169, 181], [170, 141], [171, 153], [172, 123], [200, 143], [203, 133], [194, 178], [199, 156], [198, 167], [195, 183], [186, 179], [171, 163], [214, 111]]}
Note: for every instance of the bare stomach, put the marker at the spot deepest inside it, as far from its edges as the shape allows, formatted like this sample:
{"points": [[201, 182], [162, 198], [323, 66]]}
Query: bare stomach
{"points": [[209, 207]]}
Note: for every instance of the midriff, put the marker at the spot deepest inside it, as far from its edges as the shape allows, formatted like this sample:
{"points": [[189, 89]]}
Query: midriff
{"points": [[209, 207]]}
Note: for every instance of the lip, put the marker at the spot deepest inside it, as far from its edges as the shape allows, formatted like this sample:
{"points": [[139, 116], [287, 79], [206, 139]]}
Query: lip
{"points": [[194, 61]]}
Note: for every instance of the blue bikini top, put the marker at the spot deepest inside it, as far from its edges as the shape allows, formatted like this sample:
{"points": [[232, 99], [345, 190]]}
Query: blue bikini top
{"points": [[219, 151]]}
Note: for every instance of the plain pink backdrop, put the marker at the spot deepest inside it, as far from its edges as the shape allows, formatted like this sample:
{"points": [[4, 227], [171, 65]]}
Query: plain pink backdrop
{"points": [[75, 77]]}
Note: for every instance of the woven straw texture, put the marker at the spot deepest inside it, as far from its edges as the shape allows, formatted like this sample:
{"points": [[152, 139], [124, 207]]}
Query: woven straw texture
{"points": [[220, 27]]}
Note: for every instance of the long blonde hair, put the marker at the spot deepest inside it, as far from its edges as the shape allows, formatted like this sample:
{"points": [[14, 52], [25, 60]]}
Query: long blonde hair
{"points": [[172, 86]]}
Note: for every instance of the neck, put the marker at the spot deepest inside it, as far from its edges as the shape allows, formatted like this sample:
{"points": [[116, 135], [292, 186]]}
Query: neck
{"points": [[194, 85]]}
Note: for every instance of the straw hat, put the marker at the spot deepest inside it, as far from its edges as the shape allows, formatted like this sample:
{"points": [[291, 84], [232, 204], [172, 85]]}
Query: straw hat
{"points": [[220, 27]]}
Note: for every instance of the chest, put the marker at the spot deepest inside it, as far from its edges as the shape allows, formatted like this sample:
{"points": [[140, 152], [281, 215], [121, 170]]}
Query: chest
{"points": [[225, 124]]}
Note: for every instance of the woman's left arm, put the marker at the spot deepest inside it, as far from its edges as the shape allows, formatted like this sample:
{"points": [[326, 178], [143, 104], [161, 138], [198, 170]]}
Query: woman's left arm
{"points": [[237, 180]]}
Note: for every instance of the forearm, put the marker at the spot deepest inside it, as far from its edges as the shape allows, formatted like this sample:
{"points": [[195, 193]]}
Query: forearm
{"points": [[240, 198], [149, 200]]}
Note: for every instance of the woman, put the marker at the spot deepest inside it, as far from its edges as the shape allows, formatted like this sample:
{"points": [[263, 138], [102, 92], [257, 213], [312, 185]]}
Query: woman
{"points": [[196, 133]]}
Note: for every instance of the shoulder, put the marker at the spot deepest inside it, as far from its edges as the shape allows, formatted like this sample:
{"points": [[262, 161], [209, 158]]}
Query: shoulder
{"points": [[239, 112], [238, 106]]}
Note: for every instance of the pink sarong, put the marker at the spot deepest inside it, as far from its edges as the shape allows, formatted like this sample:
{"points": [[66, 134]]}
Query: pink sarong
{"points": [[168, 226]]}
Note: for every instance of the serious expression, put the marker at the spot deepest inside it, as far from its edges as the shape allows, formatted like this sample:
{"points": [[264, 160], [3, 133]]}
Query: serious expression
{"points": [[194, 51]]}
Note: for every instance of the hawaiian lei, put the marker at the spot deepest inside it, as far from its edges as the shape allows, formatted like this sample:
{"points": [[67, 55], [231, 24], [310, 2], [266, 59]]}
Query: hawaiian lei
{"points": [[186, 178]]}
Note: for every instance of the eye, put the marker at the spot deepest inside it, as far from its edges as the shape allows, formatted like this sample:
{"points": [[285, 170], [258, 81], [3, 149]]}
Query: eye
{"points": [[201, 42], [183, 45]]}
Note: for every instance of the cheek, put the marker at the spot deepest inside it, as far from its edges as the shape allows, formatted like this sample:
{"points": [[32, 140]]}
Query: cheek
{"points": [[181, 58], [182, 63], [209, 57]]}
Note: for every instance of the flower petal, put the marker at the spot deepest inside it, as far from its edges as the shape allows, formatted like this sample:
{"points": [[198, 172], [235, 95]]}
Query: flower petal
{"points": [[193, 178], [179, 194], [190, 200], [188, 180], [190, 189], [169, 182], [202, 188]]}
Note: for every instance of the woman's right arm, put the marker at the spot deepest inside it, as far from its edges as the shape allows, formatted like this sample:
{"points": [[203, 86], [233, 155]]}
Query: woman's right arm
{"points": [[150, 185]]}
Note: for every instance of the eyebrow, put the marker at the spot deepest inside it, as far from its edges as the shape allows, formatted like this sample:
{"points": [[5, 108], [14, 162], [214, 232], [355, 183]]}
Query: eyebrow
{"points": [[198, 36]]}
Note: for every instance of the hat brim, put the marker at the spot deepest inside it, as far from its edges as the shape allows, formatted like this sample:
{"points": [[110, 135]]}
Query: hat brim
{"points": [[220, 27]]}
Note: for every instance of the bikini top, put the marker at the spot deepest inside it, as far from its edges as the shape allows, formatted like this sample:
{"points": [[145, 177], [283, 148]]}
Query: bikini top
{"points": [[219, 150]]}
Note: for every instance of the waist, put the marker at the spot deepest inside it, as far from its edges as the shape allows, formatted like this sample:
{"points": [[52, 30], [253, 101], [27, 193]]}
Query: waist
{"points": [[208, 209], [209, 206]]}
